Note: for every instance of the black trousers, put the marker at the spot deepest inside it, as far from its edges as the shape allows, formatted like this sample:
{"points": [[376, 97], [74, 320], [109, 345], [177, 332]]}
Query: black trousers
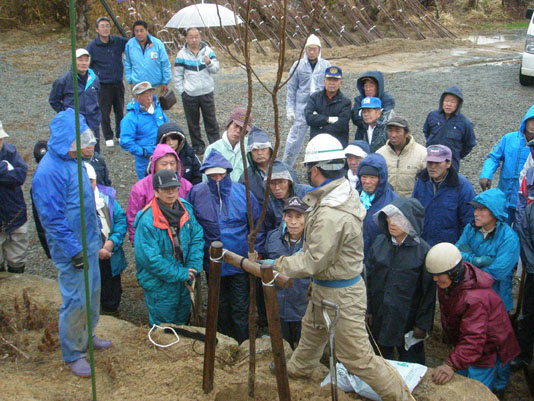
{"points": [[291, 332], [110, 287], [192, 107], [525, 332], [416, 353], [233, 307], [111, 95]]}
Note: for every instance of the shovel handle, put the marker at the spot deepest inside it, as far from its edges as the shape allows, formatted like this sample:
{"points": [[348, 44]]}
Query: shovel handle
{"points": [[325, 303]]}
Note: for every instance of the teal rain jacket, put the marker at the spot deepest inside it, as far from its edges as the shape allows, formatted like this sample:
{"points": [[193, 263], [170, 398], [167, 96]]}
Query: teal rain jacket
{"points": [[501, 245], [512, 151], [160, 274]]}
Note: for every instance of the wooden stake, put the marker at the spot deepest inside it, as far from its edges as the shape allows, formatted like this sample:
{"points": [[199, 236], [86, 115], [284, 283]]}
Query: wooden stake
{"points": [[214, 284], [275, 332]]}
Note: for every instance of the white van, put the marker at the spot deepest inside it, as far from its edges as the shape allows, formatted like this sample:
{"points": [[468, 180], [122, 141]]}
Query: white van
{"points": [[526, 71]]}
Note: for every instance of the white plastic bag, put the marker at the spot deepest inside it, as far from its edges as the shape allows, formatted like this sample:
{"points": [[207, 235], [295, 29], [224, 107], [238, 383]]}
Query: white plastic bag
{"points": [[411, 373]]}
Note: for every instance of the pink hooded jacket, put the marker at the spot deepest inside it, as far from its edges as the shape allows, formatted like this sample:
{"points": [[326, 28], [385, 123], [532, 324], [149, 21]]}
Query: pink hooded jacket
{"points": [[143, 192]]}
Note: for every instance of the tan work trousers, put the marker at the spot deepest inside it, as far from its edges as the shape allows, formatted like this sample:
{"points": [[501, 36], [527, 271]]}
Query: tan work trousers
{"points": [[353, 349]]}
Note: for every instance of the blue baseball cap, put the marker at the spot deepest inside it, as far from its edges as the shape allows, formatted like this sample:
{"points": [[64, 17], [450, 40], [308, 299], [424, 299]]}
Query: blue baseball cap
{"points": [[333, 72], [371, 103]]}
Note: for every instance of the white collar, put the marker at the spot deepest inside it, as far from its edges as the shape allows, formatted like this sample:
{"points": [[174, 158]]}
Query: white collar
{"points": [[236, 148]]}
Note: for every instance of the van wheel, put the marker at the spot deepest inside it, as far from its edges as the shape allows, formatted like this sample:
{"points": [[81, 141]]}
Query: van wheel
{"points": [[524, 80]]}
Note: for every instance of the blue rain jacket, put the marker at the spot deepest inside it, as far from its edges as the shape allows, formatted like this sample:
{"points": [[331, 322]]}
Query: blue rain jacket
{"points": [[292, 302], [502, 244], [150, 65], [139, 132], [12, 204], [117, 230], [221, 209], [512, 151], [457, 132], [62, 97], [160, 274], [446, 210], [388, 103], [384, 195], [55, 193]]}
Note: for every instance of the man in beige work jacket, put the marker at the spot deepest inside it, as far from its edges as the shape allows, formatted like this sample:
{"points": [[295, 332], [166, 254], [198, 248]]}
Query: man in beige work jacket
{"points": [[332, 255]]}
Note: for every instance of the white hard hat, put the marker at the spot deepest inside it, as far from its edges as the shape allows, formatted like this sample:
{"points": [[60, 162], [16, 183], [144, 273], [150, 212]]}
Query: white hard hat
{"points": [[442, 257], [324, 148]]}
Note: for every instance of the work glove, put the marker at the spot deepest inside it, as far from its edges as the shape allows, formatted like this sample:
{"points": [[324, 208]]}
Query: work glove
{"points": [[484, 183], [266, 262], [482, 261], [465, 248], [332, 120], [77, 261], [290, 117]]}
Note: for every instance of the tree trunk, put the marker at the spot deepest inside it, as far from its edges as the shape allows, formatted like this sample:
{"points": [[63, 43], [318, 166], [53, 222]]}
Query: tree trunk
{"points": [[82, 22]]}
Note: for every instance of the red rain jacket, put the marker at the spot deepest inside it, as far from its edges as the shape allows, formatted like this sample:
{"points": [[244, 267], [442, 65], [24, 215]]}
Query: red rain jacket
{"points": [[475, 320]]}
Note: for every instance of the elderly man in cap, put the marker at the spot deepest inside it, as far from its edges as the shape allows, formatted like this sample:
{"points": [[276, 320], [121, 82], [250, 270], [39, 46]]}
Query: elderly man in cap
{"points": [[444, 193], [88, 87], [371, 84], [220, 207], [355, 153], [286, 240], [229, 145], [373, 128], [169, 250], [193, 69], [13, 218], [56, 195], [139, 127], [106, 60], [403, 155], [307, 75], [328, 110]]}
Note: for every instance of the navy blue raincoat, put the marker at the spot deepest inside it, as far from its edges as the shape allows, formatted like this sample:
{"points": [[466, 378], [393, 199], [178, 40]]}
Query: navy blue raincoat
{"points": [[457, 132], [12, 204], [446, 210], [292, 302], [221, 209], [388, 103], [384, 195]]}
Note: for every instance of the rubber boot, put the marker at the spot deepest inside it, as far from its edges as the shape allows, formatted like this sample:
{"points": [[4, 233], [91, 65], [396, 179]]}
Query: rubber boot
{"points": [[80, 367], [98, 343]]}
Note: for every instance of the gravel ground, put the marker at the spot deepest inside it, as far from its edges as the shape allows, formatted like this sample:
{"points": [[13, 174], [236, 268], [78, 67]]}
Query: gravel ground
{"points": [[494, 101]]}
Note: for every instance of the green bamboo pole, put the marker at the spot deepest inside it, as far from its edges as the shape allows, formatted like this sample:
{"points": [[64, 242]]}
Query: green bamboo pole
{"points": [[80, 191]]}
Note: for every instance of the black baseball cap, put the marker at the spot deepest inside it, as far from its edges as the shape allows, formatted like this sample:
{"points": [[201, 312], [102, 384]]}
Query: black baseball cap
{"points": [[295, 203], [165, 179]]}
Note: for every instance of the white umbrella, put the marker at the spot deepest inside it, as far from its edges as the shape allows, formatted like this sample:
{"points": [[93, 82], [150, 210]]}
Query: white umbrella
{"points": [[203, 16]]}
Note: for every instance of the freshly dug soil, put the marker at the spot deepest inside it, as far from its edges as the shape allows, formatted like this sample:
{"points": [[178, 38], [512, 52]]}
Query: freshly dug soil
{"points": [[134, 369]]}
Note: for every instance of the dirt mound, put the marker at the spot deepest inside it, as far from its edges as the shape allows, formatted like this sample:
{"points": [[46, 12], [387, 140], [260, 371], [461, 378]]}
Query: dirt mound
{"points": [[134, 369]]}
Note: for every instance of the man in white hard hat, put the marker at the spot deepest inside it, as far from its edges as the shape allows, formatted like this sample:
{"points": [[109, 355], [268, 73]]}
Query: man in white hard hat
{"points": [[308, 77], [332, 255], [473, 317]]}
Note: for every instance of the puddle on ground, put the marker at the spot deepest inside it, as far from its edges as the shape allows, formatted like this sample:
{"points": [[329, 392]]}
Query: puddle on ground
{"points": [[494, 38]]}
